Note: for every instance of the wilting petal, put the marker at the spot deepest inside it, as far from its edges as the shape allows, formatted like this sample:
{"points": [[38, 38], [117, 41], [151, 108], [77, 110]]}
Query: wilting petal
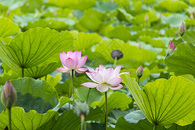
{"points": [[95, 76], [82, 62], [115, 81], [70, 63], [62, 70], [117, 87], [89, 84], [102, 87], [124, 73], [81, 70]]}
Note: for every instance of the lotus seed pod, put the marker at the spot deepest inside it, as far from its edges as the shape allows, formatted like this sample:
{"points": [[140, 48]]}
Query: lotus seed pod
{"points": [[81, 107], [139, 71], [116, 54], [8, 95]]}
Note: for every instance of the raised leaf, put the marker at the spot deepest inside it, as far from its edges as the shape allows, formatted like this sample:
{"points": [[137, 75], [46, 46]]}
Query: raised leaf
{"points": [[182, 60], [164, 102], [8, 28]]}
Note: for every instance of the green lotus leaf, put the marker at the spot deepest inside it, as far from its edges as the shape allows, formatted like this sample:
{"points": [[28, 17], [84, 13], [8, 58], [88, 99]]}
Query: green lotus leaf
{"points": [[115, 100], [89, 23], [31, 92], [41, 70], [105, 47], [122, 32], [189, 37], [29, 120], [182, 60], [105, 6], [76, 4], [140, 18], [86, 40], [164, 102], [122, 124], [8, 28], [35, 46], [172, 5], [12, 4], [174, 20], [69, 121]]}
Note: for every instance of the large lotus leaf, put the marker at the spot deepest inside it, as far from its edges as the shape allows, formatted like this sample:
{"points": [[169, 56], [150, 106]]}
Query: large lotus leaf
{"points": [[140, 18], [122, 124], [51, 23], [129, 52], [105, 6], [122, 32], [190, 22], [174, 20], [8, 28], [35, 46], [182, 60], [172, 5], [86, 40], [74, 4], [69, 121], [154, 43], [189, 37], [123, 15], [89, 23], [164, 102], [41, 70], [31, 92], [115, 100], [13, 4], [31, 120]]}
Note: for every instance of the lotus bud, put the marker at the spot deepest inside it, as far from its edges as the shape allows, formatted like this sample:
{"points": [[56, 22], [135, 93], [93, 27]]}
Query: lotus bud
{"points": [[116, 54], [81, 108], [139, 71], [159, 16], [27, 4], [146, 17], [8, 95], [192, 15], [139, 45], [8, 11], [55, 13], [171, 45], [182, 29]]}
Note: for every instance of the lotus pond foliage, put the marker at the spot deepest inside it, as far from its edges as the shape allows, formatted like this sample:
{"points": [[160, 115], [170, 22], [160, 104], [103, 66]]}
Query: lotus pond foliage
{"points": [[97, 64]]}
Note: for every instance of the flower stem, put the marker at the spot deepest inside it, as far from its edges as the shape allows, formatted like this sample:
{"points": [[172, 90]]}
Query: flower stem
{"points": [[115, 60], [9, 115], [83, 127], [88, 95], [155, 126], [105, 110], [22, 72], [72, 75], [45, 77], [138, 81]]}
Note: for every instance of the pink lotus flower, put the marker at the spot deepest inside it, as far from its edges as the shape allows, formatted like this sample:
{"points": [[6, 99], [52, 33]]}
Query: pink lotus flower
{"points": [[171, 45], [72, 60], [104, 78]]}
